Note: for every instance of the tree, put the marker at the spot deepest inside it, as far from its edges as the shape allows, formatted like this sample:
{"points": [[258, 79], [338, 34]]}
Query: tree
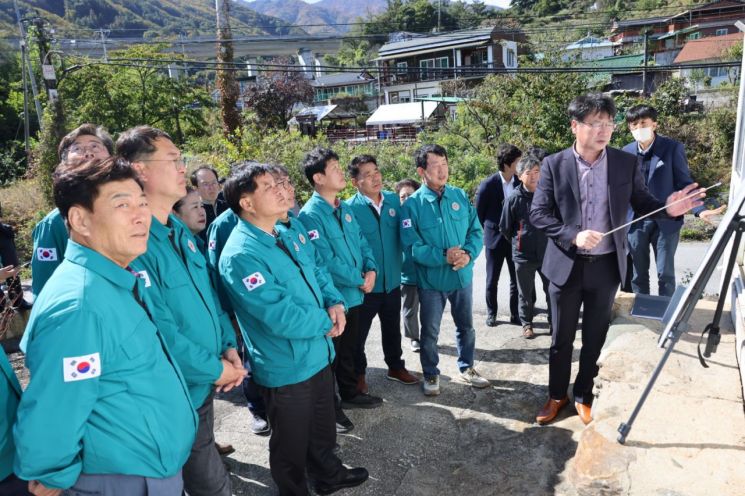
{"points": [[273, 99], [134, 89]]}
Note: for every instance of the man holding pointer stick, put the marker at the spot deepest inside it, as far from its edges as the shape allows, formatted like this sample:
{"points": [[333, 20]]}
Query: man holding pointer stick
{"points": [[585, 192]]}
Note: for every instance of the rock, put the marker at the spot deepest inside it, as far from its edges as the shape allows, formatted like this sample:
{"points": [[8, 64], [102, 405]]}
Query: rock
{"points": [[600, 466]]}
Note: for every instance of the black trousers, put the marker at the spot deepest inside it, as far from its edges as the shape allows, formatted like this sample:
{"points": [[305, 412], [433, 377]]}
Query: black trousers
{"points": [[9, 256], [345, 347], [494, 260], [13, 486], [593, 284], [303, 433], [387, 306]]}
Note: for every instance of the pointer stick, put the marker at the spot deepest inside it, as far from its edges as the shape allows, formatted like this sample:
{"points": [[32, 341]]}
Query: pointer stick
{"points": [[698, 192]]}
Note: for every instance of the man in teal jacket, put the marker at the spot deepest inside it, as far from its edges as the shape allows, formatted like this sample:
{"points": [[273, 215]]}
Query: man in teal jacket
{"points": [[50, 234], [343, 250], [288, 311], [10, 396], [93, 419], [378, 213], [442, 229], [182, 300]]}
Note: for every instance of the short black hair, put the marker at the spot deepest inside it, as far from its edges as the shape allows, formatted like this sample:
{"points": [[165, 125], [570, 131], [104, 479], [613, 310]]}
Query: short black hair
{"points": [[137, 142], [411, 183], [180, 203], [242, 180], [592, 103], [80, 183], [84, 130], [506, 154], [275, 169], [195, 181], [354, 167], [420, 156], [537, 152], [639, 112], [315, 162]]}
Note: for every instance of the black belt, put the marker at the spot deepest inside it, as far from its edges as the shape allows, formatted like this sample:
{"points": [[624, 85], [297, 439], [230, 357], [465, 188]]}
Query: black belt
{"points": [[594, 258]]}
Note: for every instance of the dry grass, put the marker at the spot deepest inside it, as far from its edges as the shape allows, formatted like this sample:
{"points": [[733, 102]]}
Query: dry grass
{"points": [[23, 205]]}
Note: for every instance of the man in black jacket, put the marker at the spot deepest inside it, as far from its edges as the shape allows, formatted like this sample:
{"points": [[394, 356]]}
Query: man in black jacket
{"points": [[490, 197], [528, 243]]}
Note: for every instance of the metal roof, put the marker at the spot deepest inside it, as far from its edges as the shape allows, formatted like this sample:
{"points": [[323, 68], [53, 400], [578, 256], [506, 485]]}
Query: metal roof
{"points": [[402, 113], [341, 79], [436, 42]]}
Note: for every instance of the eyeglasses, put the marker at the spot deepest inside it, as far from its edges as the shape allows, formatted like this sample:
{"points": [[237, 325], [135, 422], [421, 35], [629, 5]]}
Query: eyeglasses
{"points": [[596, 126], [178, 163], [78, 149], [210, 184], [285, 183]]}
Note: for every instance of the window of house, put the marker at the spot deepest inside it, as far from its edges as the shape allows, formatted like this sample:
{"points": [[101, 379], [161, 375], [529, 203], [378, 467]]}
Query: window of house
{"points": [[402, 67], [694, 36], [721, 32], [510, 62], [425, 69]]}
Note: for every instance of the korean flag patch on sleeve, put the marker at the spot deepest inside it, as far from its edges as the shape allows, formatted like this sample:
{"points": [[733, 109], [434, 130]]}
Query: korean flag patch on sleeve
{"points": [[406, 223], [46, 254], [313, 234], [81, 367], [254, 281]]}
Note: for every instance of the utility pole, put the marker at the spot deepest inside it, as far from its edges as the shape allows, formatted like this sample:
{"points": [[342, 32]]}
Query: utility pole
{"points": [[26, 120], [439, 9], [27, 64], [226, 83], [644, 72], [103, 33]]}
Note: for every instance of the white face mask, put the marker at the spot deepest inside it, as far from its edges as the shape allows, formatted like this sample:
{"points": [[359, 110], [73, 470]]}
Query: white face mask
{"points": [[642, 134]]}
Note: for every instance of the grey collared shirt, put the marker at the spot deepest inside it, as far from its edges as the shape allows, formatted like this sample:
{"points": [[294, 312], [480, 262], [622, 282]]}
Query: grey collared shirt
{"points": [[593, 193]]}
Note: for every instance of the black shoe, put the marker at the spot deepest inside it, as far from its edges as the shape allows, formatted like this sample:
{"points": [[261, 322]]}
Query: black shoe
{"points": [[343, 424], [491, 321], [362, 401], [352, 477], [515, 320], [23, 305]]}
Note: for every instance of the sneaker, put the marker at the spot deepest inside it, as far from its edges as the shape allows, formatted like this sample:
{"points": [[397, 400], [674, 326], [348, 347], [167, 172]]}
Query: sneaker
{"points": [[474, 379], [362, 401], [415, 346], [431, 386], [259, 424], [402, 375], [343, 424]]}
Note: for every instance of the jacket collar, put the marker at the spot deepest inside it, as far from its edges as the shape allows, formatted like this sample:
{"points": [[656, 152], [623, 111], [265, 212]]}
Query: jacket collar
{"points": [[254, 232], [95, 262], [431, 195]]}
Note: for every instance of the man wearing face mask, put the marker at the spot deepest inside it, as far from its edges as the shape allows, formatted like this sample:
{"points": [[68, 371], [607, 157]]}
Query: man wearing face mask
{"points": [[664, 167]]}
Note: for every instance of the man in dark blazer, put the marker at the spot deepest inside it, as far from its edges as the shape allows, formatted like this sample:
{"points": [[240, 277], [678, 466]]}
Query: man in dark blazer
{"points": [[584, 192], [490, 196], [664, 168]]}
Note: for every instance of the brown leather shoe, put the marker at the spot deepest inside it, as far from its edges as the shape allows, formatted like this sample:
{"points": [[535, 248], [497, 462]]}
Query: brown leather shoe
{"points": [[224, 449], [403, 376], [584, 412], [361, 384], [550, 410], [528, 331]]}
